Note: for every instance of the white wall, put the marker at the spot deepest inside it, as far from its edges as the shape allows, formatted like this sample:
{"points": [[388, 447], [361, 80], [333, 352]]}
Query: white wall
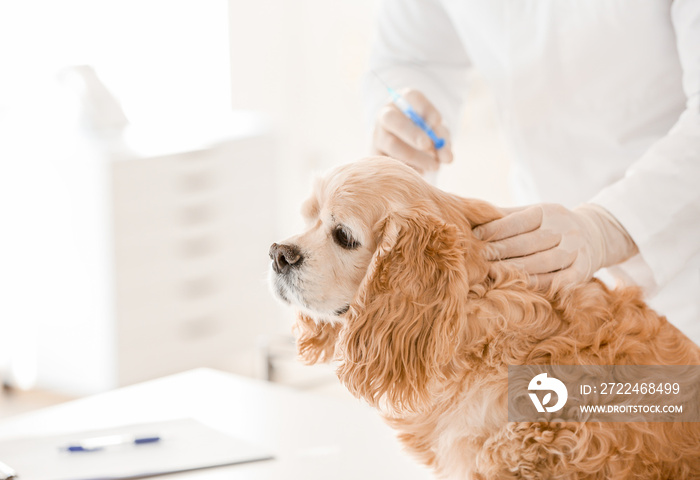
{"points": [[303, 63]]}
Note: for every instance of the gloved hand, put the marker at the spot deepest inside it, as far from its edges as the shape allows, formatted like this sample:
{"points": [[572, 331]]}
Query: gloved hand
{"points": [[396, 136], [557, 245]]}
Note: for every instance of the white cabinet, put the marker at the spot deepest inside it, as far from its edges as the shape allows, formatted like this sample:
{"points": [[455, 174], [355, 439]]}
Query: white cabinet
{"points": [[158, 259], [191, 233]]}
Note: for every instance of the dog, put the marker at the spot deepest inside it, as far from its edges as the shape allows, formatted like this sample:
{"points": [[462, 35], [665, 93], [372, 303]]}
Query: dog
{"points": [[390, 283]]}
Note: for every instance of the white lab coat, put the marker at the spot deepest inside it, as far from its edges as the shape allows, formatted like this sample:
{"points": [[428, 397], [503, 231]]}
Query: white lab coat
{"points": [[599, 100]]}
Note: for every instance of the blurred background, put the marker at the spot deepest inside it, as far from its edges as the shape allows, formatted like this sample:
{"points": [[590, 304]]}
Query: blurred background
{"points": [[150, 152]]}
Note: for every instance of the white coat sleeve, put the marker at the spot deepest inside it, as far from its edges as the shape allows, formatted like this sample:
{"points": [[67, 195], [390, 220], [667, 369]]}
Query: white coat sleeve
{"points": [[416, 46], [658, 199]]}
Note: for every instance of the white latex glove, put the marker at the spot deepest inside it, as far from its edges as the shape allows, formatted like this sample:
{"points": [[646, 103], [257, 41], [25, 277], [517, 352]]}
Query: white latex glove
{"points": [[557, 245], [396, 136]]}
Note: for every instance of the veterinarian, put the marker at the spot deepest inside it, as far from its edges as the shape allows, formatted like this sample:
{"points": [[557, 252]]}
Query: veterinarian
{"points": [[600, 104]]}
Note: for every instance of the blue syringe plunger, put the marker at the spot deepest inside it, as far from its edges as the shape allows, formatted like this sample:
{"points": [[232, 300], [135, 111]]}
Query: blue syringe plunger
{"points": [[410, 112]]}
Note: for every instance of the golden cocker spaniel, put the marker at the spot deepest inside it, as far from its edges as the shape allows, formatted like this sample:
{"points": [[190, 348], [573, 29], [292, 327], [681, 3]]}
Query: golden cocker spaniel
{"points": [[390, 283]]}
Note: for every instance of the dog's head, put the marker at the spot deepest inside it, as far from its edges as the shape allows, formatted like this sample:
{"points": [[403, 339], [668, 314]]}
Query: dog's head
{"points": [[381, 278]]}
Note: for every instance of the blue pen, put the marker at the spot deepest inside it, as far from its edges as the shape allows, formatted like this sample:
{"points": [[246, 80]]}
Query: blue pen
{"points": [[409, 111], [100, 443]]}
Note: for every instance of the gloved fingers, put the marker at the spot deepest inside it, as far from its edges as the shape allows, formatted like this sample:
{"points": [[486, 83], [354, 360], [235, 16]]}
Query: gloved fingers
{"points": [[509, 210], [422, 106], [552, 260], [515, 223], [522, 245], [397, 136], [388, 144], [394, 121], [610, 242]]}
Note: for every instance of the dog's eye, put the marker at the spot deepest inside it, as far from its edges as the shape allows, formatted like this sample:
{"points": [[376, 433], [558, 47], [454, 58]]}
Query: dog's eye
{"points": [[343, 238]]}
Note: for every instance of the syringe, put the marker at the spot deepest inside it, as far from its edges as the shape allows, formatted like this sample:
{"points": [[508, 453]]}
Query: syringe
{"points": [[410, 112]]}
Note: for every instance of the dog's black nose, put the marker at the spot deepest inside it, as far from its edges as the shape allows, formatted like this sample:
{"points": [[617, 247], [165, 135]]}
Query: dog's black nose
{"points": [[284, 257]]}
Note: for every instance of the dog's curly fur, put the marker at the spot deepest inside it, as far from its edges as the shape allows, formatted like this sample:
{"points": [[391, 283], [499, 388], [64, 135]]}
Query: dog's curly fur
{"points": [[431, 332]]}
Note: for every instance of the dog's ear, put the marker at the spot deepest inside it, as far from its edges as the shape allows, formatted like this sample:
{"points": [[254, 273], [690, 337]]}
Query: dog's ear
{"points": [[407, 320], [315, 340]]}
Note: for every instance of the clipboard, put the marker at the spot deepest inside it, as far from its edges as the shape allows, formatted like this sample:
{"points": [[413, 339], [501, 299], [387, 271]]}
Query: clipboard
{"points": [[185, 445]]}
